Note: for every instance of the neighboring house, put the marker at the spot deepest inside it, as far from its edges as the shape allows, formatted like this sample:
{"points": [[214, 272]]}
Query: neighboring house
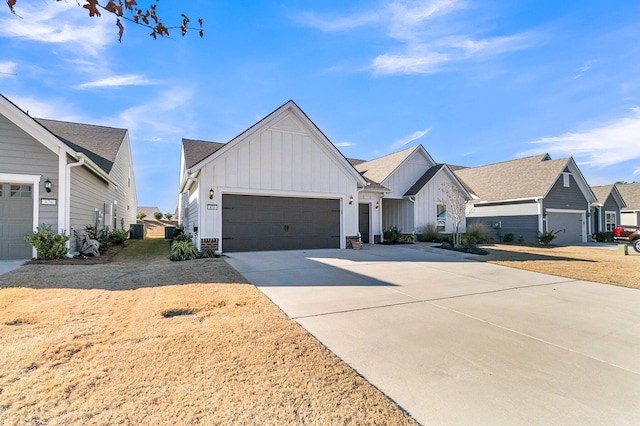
{"points": [[630, 215], [148, 211], [64, 175], [281, 184], [530, 195], [605, 214]]}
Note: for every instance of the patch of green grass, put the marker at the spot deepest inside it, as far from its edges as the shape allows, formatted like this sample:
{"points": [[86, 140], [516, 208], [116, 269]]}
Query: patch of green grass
{"points": [[151, 248]]}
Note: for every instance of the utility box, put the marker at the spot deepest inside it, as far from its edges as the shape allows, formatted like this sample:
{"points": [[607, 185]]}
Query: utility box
{"points": [[136, 231], [169, 231]]}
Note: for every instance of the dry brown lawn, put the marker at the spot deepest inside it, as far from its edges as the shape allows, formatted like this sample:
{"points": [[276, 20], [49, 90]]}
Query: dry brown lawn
{"points": [[97, 344], [602, 265]]}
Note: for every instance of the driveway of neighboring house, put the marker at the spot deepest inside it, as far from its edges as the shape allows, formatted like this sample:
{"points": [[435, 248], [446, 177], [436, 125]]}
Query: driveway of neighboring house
{"points": [[454, 341]]}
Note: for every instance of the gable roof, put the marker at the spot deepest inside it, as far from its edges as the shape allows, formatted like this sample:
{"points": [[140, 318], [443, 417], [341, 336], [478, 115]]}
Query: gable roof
{"points": [[603, 192], [148, 211], [101, 144], [381, 168], [197, 150], [424, 179], [295, 109], [523, 178], [631, 194]]}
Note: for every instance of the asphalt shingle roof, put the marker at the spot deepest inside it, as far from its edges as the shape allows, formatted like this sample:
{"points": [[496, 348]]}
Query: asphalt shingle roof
{"points": [[424, 179], [602, 192], [630, 194], [510, 180], [197, 150], [99, 143], [380, 168]]}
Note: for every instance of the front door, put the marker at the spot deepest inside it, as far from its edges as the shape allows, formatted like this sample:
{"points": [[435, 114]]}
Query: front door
{"points": [[16, 220], [363, 222]]}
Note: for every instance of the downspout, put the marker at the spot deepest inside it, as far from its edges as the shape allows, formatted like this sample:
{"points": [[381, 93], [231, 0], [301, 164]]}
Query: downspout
{"points": [[67, 183], [196, 180]]}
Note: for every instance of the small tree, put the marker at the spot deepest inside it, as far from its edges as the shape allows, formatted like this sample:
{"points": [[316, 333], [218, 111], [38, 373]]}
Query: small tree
{"points": [[168, 216], [141, 215], [456, 201], [157, 215]]}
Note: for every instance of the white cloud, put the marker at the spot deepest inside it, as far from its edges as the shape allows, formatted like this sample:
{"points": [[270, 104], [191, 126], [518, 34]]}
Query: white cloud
{"points": [[118, 81], [7, 68], [426, 41], [57, 22], [410, 138], [612, 143], [53, 109], [343, 144]]}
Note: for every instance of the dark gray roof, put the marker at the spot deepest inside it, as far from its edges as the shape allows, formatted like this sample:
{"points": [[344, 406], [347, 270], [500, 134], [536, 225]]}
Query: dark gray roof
{"points": [[100, 144], [630, 194], [197, 150], [424, 179]]}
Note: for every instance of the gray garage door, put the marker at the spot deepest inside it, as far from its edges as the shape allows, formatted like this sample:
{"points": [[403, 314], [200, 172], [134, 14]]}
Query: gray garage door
{"points": [[254, 223], [16, 212], [569, 225]]}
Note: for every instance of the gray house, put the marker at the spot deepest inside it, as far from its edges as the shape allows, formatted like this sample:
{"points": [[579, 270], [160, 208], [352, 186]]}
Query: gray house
{"points": [[64, 175], [605, 214], [630, 215], [529, 195]]}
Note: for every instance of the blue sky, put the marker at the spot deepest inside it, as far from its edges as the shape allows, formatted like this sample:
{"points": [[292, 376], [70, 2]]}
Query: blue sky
{"points": [[473, 81]]}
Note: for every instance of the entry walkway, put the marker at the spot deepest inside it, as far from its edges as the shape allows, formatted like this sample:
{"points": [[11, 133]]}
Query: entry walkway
{"points": [[10, 265], [458, 342]]}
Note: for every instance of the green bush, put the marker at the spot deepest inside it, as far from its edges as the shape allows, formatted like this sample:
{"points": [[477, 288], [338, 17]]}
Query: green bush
{"points": [[118, 237], [604, 237], [49, 244], [141, 215], [183, 250], [478, 232], [168, 216], [507, 238], [546, 237], [208, 253], [392, 235], [429, 233], [188, 238], [157, 215], [100, 235]]}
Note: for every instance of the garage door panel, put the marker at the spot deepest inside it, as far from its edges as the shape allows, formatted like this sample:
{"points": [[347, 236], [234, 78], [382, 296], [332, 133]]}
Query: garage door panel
{"points": [[251, 223], [567, 225]]}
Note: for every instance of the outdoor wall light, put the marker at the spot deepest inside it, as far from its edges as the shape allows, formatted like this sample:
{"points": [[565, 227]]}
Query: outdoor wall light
{"points": [[351, 200], [211, 194], [47, 185], [377, 204]]}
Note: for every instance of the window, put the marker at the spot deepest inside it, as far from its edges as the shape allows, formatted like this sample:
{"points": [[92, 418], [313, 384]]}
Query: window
{"points": [[22, 191], [565, 179], [441, 217], [610, 221]]}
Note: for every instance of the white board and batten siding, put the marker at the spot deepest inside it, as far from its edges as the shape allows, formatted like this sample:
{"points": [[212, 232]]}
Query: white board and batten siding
{"points": [[427, 200], [281, 158], [407, 174], [519, 209]]}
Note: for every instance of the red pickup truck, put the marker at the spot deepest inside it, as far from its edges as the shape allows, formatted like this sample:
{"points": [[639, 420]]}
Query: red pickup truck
{"points": [[628, 234]]}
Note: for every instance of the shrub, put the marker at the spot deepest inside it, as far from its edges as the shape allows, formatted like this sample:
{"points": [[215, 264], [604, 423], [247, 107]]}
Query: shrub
{"points": [[392, 235], [100, 235], [407, 238], [546, 237], [429, 233], [183, 250], [168, 216], [208, 253], [478, 232], [141, 215], [182, 237], [157, 215], [118, 237], [507, 238], [49, 244], [603, 237]]}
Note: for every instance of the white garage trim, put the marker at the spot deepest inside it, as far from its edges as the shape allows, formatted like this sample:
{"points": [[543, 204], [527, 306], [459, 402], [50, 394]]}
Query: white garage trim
{"points": [[27, 179], [583, 218]]}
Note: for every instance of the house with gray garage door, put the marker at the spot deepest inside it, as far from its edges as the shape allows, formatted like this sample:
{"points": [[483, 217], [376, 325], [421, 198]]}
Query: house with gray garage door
{"points": [[282, 185], [630, 214], [605, 213], [64, 175], [529, 195]]}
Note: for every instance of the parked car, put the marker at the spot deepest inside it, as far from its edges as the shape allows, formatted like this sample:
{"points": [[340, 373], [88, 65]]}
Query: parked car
{"points": [[628, 234]]}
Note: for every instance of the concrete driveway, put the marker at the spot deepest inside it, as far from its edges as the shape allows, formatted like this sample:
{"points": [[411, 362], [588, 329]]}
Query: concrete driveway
{"points": [[458, 342]]}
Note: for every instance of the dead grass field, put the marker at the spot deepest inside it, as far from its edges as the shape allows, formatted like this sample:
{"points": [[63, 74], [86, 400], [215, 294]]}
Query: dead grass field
{"points": [[602, 265], [78, 349]]}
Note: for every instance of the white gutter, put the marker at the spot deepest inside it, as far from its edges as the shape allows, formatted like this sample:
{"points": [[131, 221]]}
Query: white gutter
{"points": [[94, 168]]}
